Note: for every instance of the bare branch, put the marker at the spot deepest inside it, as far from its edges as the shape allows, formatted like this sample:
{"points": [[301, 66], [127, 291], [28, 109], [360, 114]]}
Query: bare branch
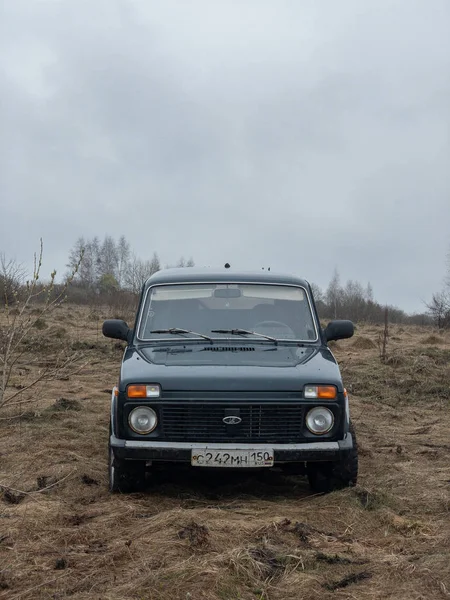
{"points": [[19, 324]]}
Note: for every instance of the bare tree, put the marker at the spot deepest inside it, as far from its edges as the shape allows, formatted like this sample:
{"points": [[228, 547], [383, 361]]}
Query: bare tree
{"points": [[109, 258], [317, 293], [12, 277], [155, 264], [17, 325], [384, 337], [87, 272], [182, 263], [353, 299], [123, 256], [439, 309], [111, 265], [334, 294], [139, 271]]}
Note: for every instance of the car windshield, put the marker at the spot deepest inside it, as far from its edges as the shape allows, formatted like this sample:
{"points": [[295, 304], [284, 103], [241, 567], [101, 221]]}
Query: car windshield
{"points": [[220, 310]]}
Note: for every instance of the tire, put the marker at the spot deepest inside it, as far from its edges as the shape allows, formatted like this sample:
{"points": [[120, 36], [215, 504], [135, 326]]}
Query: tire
{"points": [[329, 476], [125, 476]]}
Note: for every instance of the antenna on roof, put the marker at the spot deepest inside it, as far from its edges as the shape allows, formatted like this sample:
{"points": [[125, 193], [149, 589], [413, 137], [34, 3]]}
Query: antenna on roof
{"points": [[227, 265]]}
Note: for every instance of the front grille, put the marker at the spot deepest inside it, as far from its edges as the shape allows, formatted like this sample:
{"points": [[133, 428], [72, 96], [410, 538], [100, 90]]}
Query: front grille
{"points": [[197, 422]]}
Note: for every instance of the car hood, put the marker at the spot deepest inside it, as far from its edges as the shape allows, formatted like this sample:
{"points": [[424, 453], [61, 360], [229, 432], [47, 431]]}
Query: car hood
{"points": [[239, 367]]}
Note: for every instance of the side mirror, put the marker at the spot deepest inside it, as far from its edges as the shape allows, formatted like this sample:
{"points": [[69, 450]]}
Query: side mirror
{"points": [[338, 330], [117, 329]]}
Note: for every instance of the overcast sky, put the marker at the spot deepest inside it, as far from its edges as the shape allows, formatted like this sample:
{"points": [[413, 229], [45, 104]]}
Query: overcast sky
{"points": [[301, 135]]}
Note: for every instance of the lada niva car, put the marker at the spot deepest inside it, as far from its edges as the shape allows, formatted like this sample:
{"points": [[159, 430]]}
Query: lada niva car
{"points": [[227, 369]]}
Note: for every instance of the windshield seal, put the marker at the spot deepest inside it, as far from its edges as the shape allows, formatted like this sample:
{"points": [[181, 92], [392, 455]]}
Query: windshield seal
{"points": [[232, 338]]}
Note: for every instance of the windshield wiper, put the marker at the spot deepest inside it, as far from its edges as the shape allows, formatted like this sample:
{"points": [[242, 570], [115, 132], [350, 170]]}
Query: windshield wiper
{"points": [[245, 332], [178, 330]]}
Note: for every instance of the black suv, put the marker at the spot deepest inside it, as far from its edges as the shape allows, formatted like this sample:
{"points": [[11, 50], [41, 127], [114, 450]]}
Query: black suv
{"points": [[230, 369]]}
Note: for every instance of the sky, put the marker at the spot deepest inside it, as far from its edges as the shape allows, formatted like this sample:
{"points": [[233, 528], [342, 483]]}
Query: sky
{"points": [[303, 135]]}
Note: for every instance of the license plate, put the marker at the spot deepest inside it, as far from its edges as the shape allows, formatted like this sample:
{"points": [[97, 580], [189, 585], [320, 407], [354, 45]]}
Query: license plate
{"points": [[204, 457]]}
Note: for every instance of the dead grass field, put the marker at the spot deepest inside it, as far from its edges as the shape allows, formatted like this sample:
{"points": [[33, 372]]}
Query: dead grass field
{"points": [[264, 537]]}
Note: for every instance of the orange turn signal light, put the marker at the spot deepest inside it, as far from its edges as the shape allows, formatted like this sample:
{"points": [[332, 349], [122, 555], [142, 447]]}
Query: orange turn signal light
{"points": [[144, 390], [327, 392], [137, 391]]}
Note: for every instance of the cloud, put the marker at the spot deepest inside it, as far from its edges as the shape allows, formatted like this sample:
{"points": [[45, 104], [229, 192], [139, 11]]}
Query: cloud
{"points": [[302, 136]]}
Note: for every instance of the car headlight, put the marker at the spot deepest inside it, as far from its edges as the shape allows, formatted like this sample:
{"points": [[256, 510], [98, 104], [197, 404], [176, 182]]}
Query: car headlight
{"points": [[319, 420], [142, 419]]}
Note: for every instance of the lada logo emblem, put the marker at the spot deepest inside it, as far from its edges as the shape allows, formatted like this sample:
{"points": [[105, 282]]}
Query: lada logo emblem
{"points": [[232, 420]]}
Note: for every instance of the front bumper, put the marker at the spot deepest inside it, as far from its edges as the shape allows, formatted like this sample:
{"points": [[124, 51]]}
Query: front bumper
{"points": [[181, 452]]}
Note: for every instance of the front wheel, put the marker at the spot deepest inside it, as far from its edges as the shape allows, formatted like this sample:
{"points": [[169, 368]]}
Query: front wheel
{"points": [[328, 476], [125, 476]]}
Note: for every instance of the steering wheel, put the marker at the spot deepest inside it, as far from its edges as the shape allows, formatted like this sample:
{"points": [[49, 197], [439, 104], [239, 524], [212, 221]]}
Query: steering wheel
{"points": [[273, 324]]}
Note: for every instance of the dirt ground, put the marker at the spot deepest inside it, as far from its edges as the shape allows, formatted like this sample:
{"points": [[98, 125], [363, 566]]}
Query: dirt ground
{"points": [[230, 537]]}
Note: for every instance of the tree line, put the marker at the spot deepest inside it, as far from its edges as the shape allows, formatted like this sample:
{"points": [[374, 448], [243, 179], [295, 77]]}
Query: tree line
{"points": [[109, 271], [439, 305], [111, 265], [356, 302]]}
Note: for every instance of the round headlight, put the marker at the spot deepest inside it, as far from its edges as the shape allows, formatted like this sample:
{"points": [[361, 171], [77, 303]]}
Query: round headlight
{"points": [[143, 419], [319, 420]]}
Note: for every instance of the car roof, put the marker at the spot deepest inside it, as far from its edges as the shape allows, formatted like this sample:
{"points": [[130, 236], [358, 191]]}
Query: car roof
{"points": [[206, 275]]}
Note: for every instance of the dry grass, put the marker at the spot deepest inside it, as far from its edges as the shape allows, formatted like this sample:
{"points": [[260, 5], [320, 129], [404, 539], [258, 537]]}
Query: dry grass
{"points": [[362, 343], [264, 536]]}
